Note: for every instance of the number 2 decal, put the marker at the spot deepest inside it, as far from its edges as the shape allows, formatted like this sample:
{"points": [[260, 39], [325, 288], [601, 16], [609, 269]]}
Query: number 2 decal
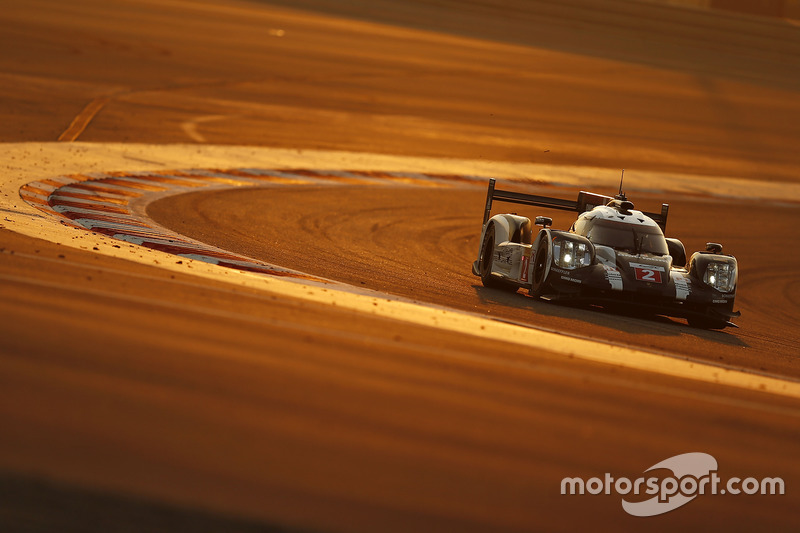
{"points": [[647, 274]]}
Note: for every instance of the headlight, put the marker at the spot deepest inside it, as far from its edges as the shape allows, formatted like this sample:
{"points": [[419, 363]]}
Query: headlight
{"points": [[571, 255], [720, 276]]}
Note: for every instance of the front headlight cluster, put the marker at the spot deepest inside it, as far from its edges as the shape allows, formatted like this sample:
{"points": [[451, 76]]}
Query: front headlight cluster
{"points": [[570, 254], [720, 276]]}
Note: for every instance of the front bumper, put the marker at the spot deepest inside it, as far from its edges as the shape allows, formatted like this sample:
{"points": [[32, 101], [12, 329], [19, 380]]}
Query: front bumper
{"points": [[678, 296]]}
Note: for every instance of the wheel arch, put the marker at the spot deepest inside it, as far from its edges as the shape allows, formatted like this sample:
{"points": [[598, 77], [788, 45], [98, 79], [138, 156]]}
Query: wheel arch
{"points": [[502, 228]]}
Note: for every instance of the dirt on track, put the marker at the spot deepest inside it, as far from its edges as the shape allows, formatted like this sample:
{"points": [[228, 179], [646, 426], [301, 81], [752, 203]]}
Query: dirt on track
{"points": [[420, 243]]}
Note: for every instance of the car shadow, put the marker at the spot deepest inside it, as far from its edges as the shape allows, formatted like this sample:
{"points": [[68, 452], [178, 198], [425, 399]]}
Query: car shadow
{"points": [[632, 321]]}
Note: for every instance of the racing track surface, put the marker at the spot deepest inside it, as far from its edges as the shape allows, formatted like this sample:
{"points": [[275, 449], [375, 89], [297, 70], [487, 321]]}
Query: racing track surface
{"points": [[420, 243], [136, 397]]}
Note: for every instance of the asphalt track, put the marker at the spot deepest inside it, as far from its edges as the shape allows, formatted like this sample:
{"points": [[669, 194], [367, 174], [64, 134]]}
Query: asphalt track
{"points": [[420, 243], [151, 399]]}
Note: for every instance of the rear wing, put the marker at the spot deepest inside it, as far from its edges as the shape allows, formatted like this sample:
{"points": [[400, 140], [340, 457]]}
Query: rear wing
{"points": [[586, 202]]}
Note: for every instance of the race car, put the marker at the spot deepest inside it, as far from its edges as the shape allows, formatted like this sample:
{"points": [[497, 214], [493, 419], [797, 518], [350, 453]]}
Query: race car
{"points": [[613, 256]]}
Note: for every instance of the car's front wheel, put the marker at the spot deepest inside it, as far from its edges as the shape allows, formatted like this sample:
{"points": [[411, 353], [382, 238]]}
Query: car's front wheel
{"points": [[541, 262]]}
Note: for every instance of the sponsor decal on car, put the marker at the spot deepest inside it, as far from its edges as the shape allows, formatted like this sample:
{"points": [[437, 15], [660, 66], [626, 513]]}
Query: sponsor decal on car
{"points": [[526, 258], [613, 277], [504, 255], [682, 286]]}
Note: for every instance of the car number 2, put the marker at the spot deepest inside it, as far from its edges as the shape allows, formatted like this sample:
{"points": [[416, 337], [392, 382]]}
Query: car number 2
{"points": [[647, 274]]}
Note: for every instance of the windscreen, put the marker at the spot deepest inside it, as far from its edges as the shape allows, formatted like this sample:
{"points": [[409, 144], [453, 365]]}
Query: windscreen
{"points": [[628, 237]]}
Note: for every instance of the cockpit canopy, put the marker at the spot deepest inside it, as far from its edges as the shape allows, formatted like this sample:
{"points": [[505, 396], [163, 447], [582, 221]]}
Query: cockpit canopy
{"points": [[636, 238]]}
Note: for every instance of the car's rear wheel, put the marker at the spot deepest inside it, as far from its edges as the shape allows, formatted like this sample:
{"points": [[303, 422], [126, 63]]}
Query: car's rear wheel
{"points": [[486, 262]]}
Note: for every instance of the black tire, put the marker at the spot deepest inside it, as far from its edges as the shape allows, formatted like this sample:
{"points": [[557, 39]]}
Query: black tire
{"points": [[486, 261], [541, 260]]}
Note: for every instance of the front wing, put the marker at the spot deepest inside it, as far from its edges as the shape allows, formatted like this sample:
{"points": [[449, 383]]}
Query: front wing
{"points": [[681, 295]]}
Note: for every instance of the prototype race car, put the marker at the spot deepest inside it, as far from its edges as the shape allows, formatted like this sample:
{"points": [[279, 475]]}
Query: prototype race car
{"points": [[612, 255]]}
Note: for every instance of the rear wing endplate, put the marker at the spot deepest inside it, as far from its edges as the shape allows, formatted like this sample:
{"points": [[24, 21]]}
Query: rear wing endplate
{"points": [[586, 202]]}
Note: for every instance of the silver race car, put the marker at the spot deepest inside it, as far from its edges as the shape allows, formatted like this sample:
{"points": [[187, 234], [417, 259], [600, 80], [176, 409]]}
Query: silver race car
{"points": [[612, 255]]}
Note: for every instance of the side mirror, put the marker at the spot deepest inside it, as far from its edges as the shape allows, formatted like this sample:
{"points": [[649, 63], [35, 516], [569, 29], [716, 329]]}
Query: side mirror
{"points": [[677, 251], [713, 247], [543, 221]]}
